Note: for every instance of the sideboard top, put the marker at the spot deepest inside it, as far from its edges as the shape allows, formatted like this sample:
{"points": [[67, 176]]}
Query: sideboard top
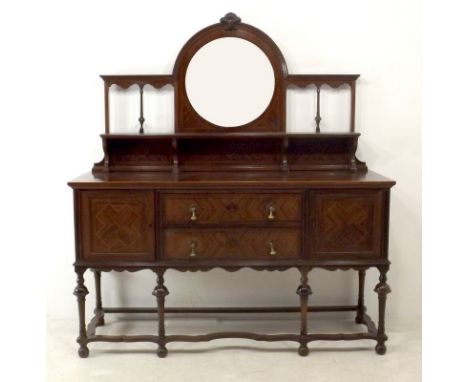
{"points": [[314, 179]]}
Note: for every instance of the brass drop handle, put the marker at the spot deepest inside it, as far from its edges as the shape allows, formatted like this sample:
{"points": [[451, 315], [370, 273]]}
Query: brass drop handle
{"points": [[271, 212], [193, 246], [193, 211], [272, 248]]}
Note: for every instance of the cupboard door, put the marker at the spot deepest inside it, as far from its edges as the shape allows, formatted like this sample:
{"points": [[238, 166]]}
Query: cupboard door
{"points": [[117, 225], [346, 223]]}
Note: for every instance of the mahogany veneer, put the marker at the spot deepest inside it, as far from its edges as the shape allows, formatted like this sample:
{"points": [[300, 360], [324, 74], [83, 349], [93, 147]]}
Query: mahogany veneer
{"points": [[241, 207], [268, 244], [250, 196]]}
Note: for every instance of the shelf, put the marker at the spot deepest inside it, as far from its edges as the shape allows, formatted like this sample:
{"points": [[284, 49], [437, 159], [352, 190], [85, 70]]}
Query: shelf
{"points": [[228, 135], [214, 151]]}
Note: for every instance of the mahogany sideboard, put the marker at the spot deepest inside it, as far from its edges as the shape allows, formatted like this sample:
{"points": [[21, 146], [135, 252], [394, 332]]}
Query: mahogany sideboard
{"points": [[250, 196]]}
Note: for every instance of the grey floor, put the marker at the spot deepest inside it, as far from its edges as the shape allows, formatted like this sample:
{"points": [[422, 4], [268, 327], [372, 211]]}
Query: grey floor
{"points": [[233, 359]]}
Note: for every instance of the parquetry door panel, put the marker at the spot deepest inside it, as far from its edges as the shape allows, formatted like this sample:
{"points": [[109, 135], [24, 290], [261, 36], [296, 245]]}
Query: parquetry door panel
{"points": [[117, 224], [346, 223]]}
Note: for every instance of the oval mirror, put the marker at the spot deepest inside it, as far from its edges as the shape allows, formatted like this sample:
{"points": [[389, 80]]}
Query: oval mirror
{"points": [[229, 82]]}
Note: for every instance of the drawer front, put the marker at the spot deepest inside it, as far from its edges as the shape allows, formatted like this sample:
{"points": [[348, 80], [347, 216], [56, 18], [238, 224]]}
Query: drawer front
{"points": [[117, 225], [215, 208], [347, 223], [232, 243]]}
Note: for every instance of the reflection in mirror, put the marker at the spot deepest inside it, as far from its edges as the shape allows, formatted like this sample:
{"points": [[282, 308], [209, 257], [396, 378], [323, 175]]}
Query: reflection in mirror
{"points": [[230, 82]]}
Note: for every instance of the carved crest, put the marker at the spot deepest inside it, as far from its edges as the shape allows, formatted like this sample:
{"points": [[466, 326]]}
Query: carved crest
{"points": [[231, 20]]}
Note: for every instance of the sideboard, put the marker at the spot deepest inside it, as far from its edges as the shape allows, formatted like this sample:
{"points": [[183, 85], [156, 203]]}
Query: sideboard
{"points": [[248, 196]]}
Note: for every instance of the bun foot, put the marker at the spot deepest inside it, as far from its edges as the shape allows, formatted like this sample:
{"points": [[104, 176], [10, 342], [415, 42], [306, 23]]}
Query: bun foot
{"points": [[303, 350], [161, 352], [380, 349], [83, 352]]}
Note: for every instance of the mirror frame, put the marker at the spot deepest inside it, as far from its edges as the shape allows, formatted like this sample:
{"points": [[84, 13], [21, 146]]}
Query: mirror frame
{"points": [[273, 118]]}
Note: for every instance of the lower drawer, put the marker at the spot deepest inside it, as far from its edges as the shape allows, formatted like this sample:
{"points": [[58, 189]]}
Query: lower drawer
{"points": [[232, 243]]}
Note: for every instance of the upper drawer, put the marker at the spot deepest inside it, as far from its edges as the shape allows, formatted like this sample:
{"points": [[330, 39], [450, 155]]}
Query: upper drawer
{"points": [[216, 208]]}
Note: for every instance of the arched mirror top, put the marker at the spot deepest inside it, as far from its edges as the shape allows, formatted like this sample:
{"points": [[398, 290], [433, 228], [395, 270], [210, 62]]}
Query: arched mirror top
{"points": [[245, 49], [267, 87]]}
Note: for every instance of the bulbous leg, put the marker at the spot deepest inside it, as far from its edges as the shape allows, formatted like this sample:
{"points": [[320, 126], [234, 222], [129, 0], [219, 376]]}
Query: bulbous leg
{"points": [[361, 309], [382, 289], [98, 309], [304, 290], [160, 292], [80, 292]]}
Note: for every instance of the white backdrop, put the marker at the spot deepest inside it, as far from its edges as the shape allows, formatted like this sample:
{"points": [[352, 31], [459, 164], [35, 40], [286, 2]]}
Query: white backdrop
{"points": [[57, 64]]}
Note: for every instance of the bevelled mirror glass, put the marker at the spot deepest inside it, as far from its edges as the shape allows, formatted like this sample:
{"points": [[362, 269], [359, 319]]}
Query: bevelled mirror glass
{"points": [[230, 82]]}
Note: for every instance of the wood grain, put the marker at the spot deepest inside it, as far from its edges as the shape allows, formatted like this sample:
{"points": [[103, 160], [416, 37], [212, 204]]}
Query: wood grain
{"points": [[117, 224], [250, 196], [216, 208], [232, 243], [347, 223]]}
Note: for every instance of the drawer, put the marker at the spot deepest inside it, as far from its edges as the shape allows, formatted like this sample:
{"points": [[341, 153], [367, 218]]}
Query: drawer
{"points": [[216, 208], [117, 225], [232, 243]]}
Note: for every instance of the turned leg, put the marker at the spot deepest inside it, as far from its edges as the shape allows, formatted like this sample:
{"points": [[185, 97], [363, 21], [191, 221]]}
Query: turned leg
{"points": [[80, 292], [160, 291], [98, 309], [304, 290], [382, 289], [361, 309]]}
